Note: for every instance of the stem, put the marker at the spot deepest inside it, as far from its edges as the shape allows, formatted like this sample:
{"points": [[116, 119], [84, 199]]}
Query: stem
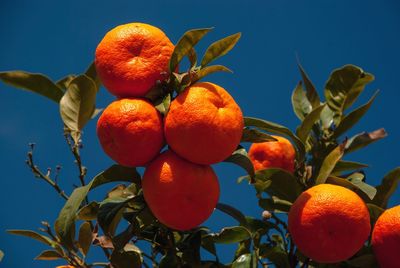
{"points": [[102, 264]]}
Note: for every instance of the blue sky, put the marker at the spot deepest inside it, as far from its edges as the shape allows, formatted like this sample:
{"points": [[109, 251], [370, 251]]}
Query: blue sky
{"points": [[59, 37]]}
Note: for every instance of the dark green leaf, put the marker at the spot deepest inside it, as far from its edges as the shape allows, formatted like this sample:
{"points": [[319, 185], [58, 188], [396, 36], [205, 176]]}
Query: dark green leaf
{"points": [[303, 131], [37, 83], [92, 73], [255, 136], [364, 261], [255, 225], [110, 213], [277, 129], [233, 212], [169, 260], [329, 163], [219, 48], [374, 212], [184, 46], [243, 248], [128, 257], [64, 82], [275, 254], [358, 180], [245, 261], [275, 204], [85, 237], [229, 235], [192, 56], [301, 105], [387, 187], [28, 233], [49, 255], [352, 118], [342, 166], [311, 92], [343, 87], [240, 158], [209, 70], [78, 103], [363, 139], [88, 212]]}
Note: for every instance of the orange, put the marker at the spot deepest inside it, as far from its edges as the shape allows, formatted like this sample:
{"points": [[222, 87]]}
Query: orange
{"points": [[131, 58], [204, 124], [181, 194], [273, 154], [130, 132], [329, 223], [386, 238]]}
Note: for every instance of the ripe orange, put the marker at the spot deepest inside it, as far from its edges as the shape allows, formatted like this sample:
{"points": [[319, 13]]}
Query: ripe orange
{"points": [[273, 154], [329, 223], [204, 124], [386, 238], [131, 58], [180, 194], [130, 132]]}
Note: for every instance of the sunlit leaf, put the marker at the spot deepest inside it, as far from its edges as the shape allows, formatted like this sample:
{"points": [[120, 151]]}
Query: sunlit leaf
{"points": [[363, 139], [192, 56], [34, 235], [301, 104], [363, 193], [219, 48], [342, 166], [304, 129], [128, 257], [311, 92], [163, 104], [34, 82], [49, 255], [64, 82], [358, 180], [255, 136], [88, 212], [229, 235], [329, 163], [209, 70], [85, 237], [240, 158], [387, 187], [245, 261]]}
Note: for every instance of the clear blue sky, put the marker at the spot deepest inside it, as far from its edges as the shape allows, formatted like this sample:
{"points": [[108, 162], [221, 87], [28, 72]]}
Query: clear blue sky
{"points": [[59, 37]]}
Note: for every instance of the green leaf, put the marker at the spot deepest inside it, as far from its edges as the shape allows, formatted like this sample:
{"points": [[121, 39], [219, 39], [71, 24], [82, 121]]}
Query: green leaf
{"points": [[364, 261], [277, 129], [88, 212], [255, 136], [229, 235], [329, 163], [78, 103], [184, 46], [275, 254], [245, 261], [219, 48], [65, 223], [343, 87], [233, 212], [342, 166], [128, 257], [64, 82], [169, 260], [363, 193], [92, 73], [363, 139], [192, 56], [163, 104], [110, 213], [34, 235], [301, 104], [303, 131], [240, 158], [255, 225], [311, 92], [358, 180], [387, 187], [203, 72], [326, 118], [34, 82], [374, 212], [275, 204], [85, 237], [49, 255], [352, 118]]}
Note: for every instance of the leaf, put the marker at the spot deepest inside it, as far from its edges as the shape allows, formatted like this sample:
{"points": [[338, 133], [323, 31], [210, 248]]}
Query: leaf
{"points": [[351, 186], [311, 92], [34, 82], [229, 235], [374, 212], [130, 256], [301, 105], [304, 129], [275, 254], [358, 180], [352, 118], [274, 204], [34, 235], [387, 187], [88, 212], [255, 136], [219, 48], [208, 244], [92, 73], [85, 237], [163, 105], [184, 46], [192, 56], [65, 223], [203, 72], [255, 225], [364, 261], [169, 260], [343, 87], [64, 82], [342, 166], [96, 112], [49, 255], [363, 139], [240, 158], [277, 129], [245, 261], [78, 103], [233, 212], [329, 163], [110, 213]]}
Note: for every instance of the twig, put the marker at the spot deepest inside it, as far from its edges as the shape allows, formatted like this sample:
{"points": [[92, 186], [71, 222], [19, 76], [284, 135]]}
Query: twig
{"points": [[102, 264]]}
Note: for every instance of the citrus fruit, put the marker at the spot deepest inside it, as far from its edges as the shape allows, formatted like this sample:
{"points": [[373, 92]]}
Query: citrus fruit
{"points": [[386, 238], [131, 58], [204, 124], [181, 194], [130, 132], [273, 154], [329, 223]]}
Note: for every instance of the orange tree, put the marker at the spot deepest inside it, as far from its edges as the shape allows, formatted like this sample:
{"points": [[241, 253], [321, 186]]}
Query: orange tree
{"points": [[332, 210]]}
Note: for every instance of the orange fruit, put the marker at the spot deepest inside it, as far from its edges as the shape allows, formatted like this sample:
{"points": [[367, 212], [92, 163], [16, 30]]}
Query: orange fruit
{"points": [[329, 223], [204, 124], [131, 58], [386, 238], [181, 194], [273, 154], [130, 132]]}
